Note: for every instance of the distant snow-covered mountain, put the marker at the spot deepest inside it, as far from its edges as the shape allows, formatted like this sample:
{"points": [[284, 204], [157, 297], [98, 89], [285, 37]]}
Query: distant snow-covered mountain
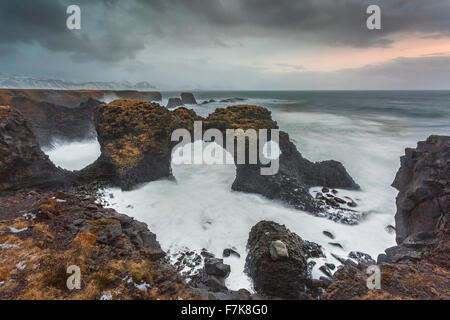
{"points": [[19, 82]]}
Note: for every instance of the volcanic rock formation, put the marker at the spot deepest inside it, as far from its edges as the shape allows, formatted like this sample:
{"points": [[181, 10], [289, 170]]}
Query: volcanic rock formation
{"points": [[63, 115], [23, 165], [419, 267], [135, 139], [424, 189]]}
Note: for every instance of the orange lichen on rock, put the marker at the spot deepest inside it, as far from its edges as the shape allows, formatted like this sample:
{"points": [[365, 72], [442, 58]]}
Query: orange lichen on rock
{"points": [[241, 117], [131, 128], [86, 238]]}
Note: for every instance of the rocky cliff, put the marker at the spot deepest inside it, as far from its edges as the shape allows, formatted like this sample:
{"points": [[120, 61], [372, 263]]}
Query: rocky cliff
{"points": [[419, 267], [23, 165], [63, 115], [423, 202]]}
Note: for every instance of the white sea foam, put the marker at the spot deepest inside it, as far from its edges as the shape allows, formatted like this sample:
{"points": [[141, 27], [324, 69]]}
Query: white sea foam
{"points": [[199, 210], [74, 155]]}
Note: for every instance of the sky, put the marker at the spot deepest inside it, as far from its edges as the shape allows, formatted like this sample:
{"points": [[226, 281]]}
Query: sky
{"points": [[231, 44]]}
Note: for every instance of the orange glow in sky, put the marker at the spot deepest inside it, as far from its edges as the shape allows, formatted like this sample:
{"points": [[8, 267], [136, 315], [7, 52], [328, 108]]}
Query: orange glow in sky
{"points": [[342, 58]]}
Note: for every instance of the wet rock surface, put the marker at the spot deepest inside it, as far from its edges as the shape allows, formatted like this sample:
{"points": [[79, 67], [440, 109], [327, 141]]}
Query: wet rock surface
{"points": [[277, 262]]}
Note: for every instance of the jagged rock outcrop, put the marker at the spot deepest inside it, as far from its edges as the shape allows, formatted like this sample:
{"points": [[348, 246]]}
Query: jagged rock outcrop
{"points": [[23, 165], [135, 142], [188, 98], [174, 102], [424, 188], [419, 267], [296, 174], [277, 261], [65, 115], [50, 122]]}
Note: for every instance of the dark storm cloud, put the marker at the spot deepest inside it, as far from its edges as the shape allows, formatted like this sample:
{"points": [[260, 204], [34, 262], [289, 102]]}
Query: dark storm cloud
{"points": [[114, 30], [43, 22], [341, 22]]}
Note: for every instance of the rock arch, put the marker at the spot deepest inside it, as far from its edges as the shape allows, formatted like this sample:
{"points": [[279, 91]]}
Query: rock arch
{"points": [[135, 139]]}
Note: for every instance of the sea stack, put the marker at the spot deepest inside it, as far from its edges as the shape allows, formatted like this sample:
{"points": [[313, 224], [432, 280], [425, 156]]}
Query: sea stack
{"points": [[174, 102], [188, 98]]}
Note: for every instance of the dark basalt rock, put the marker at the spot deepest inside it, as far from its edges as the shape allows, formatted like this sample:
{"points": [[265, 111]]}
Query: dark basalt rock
{"points": [[232, 100], [230, 252], [417, 268], [292, 182], [208, 101], [174, 102], [216, 267], [424, 189], [22, 163], [287, 276], [328, 234], [51, 122], [362, 257], [188, 98]]}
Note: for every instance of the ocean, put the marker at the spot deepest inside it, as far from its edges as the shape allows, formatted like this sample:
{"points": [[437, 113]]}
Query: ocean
{"points": [[366, 130]]}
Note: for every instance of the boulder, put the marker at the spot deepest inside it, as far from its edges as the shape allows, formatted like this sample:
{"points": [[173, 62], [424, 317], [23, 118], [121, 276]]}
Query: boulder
{"points": [[174, 102], [216, 267], [278, 250], [424, 189], [277, 261], [361, 257], [230, 252], [188, 98]]}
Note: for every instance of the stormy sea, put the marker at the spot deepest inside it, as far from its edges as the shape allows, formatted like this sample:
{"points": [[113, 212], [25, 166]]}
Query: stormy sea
{"points": [[365, 130]]}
